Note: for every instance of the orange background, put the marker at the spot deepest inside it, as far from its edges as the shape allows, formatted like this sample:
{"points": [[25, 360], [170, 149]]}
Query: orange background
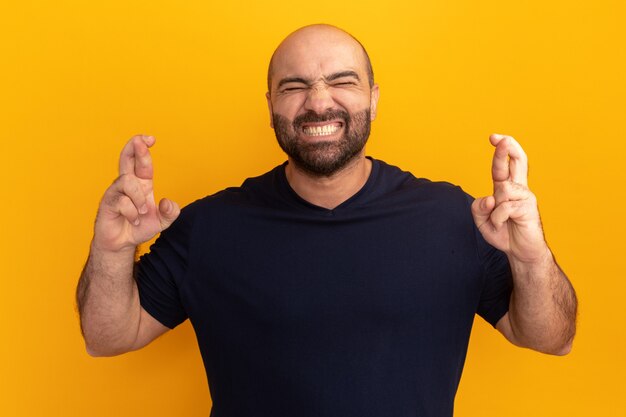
{"points": [[79, 78]]}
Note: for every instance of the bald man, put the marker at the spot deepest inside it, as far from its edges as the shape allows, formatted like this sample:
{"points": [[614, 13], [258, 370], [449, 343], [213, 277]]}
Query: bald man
{"points": [[335, 284]]}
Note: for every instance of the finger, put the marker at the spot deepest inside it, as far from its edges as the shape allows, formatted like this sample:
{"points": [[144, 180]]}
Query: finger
{"points": [[509, 161], [143, 160], [127, 209], [510, 191], [129, 186], [481, 210], [136, 148], [506, 211], [168, 211]]}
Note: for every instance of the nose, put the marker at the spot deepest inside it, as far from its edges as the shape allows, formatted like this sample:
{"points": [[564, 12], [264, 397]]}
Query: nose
{"points": [[319, 99]]}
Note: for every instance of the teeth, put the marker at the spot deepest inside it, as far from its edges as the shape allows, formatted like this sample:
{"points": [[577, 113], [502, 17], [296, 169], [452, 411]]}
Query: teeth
{"points": [[320, 130]]}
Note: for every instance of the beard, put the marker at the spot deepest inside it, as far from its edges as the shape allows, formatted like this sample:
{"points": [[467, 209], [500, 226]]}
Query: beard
{"points": [[323, 158]]}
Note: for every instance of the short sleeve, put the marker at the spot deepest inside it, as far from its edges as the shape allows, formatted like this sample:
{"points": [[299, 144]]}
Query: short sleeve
{"points": [[497, 279], [160, 272]]}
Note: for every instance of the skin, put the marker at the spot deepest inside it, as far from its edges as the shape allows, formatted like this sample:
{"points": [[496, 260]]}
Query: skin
{"points": [[311, 58], [542, 310], [112, 319], [315, 69]]}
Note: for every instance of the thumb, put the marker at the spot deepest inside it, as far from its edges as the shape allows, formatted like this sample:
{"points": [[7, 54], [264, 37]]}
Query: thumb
{"points": [[482, 208], [168, 211]]}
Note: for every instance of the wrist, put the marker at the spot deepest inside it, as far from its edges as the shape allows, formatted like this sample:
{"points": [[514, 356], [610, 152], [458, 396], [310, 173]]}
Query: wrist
{"points": [[529, 266], [103, 249]]}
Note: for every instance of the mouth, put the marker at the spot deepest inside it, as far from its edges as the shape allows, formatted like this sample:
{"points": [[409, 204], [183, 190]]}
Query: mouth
{"points": [[321, 128]]}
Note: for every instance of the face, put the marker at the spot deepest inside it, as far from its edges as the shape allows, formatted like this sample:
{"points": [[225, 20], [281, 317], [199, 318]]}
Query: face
{"points": [[322, 157], [321, 103]]}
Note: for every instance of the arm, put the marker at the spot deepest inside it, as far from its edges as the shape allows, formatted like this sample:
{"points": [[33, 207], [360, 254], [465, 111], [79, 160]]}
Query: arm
{"points": [[542, 310], [112, 320], [543, 305]]}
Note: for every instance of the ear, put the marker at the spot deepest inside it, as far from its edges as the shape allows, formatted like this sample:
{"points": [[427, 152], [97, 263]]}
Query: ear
{"points": [[374, 94], [269, 106]]}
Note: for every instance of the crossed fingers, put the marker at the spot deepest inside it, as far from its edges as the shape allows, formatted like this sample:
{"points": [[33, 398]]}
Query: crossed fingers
{"points": [[510, 180], [135, 158], [135, 165], [510, 162]]}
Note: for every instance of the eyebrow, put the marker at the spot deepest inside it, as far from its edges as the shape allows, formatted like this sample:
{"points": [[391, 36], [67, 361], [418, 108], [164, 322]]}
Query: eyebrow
{"points": [[292, 80], [343, 74], [330, 77]]}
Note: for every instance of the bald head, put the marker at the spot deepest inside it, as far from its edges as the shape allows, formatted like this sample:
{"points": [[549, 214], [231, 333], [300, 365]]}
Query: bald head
{"points": [[298, 42]]}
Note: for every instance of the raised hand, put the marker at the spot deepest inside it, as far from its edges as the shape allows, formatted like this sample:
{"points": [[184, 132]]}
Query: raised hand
{"points": [[128, 214], [509, 219]]}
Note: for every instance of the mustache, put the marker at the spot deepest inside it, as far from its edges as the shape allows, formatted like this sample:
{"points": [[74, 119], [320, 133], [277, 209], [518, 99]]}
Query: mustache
{"points": [[312, 117]]}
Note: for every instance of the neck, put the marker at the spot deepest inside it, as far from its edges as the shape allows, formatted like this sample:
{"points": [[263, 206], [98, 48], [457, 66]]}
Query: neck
{"points": [[331, 191]]}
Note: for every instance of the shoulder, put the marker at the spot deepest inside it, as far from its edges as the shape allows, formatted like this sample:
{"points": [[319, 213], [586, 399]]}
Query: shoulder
{"points": [[393, 179], [260, 190]]}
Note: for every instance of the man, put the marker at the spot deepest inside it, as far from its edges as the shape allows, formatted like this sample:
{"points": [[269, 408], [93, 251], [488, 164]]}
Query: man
{"points": [[335, 284]]}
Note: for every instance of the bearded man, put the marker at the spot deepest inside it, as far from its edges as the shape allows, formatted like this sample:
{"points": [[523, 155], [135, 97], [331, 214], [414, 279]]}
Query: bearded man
{"points": [[335, 284]]}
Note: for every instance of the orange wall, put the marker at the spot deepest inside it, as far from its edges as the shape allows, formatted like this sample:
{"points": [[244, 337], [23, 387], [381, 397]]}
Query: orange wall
{"points": [[79, 78]]}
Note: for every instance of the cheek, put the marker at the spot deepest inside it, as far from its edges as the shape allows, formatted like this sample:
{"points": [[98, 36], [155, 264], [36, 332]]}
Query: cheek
{"points": [[351, 100], [289, 106]]}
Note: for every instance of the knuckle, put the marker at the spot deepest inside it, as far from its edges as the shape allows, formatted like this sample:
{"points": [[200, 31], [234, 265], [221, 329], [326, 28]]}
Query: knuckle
{"points": [[133, 188], [130, 185], [516, 187], [124, 200], [122, 180], [509, 205], [127, 185]]}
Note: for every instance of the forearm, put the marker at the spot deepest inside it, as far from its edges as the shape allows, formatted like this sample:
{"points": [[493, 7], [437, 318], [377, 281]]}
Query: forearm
{"points": [[108, 302], [543, 306]]}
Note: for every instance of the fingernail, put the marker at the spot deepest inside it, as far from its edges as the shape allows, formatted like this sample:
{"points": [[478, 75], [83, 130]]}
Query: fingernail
{"points": [[143, 209], [136, 223]]}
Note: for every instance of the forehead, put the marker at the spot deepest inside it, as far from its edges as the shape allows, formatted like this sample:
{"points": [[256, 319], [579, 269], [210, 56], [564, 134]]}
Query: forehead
{"points": [[314, 54]]}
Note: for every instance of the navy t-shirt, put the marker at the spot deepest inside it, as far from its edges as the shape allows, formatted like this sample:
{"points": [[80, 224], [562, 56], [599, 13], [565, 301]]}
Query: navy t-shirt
{"points": [[363, 310]]}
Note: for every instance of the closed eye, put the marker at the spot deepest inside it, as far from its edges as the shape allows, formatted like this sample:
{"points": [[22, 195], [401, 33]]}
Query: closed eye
{"points": [[344, 83], [292, 89]]}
